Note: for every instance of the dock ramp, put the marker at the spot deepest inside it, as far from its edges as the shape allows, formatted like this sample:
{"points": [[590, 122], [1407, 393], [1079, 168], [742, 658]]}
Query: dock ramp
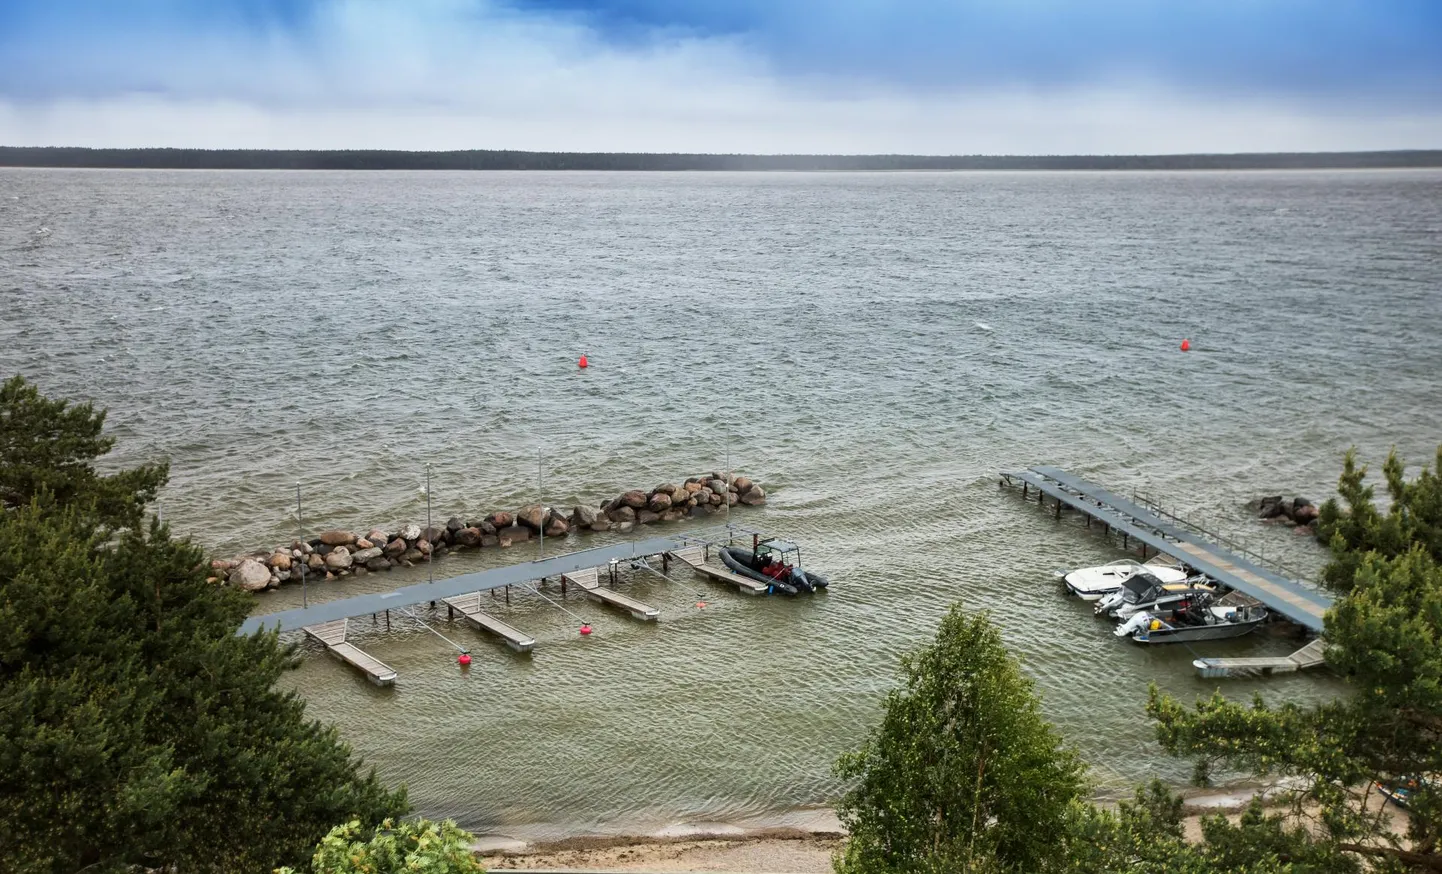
{"points": [[469, 606], [589, 580], [333, 635], [695, 556]]}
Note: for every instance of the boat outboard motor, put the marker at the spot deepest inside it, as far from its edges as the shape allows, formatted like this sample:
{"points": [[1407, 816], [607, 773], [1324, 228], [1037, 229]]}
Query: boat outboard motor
{"points": [[1134, 624]]}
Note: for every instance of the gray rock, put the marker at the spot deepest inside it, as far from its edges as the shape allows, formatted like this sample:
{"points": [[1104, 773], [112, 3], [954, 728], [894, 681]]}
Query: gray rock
{"points": [[454, 524], [366, 555], [717, 485], [410, 531], [753, 497], [413, 555], [469, 537], [646, 517], [672, 515], [338, 559], [490, 541], [665, 489], [250, 575], [659, 503], [623, 513], [533, 516], [281, 576], [395, 547], [557, 527], [583, 517], [635, 499], [487, 528], [379, 563], [625, 527], [732, 499], [337, 537], [742, 484], [601, 524], [501, 520], [435, 535], [515, 533], [375, 535]]}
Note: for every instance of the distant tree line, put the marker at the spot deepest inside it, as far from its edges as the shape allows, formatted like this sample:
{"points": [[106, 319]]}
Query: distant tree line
{"points": [[478, 159]]}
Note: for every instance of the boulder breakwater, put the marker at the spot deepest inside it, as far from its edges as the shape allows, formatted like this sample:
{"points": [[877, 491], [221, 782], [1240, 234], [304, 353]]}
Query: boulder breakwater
{"points": [[342, 552]]}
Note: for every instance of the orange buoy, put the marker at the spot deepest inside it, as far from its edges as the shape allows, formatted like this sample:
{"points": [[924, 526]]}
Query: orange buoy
{"points": [[700, 605], [1186, 347], [583, 362], [585, 629], [463, 660]]}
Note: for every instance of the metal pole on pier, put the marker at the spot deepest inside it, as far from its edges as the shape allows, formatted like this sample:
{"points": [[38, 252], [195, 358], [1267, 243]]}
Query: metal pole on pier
{"points": [[541, 496], [430, 559], [726, 498], [300, 529]]}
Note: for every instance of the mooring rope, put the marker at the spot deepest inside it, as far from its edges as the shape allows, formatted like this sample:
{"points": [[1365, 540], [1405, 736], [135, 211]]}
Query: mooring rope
{"points": [[432, 630], [554, 603], [641, 563]]}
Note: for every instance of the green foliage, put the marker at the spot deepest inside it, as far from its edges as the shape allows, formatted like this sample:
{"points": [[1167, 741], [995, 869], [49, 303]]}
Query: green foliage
{"points": [[1385, 637], [136, 728], [47, 450], [420, 847], [962, 774]]}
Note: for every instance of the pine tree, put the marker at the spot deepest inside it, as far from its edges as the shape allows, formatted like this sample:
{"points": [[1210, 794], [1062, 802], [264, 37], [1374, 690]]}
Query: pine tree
{"points": [[962, 774], [136, 728]]}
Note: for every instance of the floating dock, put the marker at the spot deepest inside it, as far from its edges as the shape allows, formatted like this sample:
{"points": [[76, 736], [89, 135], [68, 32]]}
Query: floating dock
{"points": [[332, 634], [1309, 656], [695, 556], [469, 606], [589, 580], [1299, 603]]}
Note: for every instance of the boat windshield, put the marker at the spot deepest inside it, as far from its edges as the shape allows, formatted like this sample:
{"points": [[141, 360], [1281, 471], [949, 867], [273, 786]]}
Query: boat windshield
{"points": [[1138, 586]]}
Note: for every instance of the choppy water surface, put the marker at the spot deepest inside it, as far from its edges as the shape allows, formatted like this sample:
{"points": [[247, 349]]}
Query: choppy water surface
{"points": [[873, 348]]}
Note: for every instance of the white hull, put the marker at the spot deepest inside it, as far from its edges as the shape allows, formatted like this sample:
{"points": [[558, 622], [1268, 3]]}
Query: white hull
{"points": [[1095, 583]]}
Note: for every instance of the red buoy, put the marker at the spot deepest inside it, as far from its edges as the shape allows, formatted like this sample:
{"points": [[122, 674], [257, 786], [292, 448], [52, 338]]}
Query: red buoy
{"points": [[463, 660], [1186, 345], [700, 605], [583, 362], [585, 629]]}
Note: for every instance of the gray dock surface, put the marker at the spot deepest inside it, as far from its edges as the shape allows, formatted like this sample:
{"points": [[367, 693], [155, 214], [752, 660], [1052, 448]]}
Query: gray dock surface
{"points": [[1299, 603], [695, 556], [469, 606], [484, 581], [589, 580], [1309, 656]]}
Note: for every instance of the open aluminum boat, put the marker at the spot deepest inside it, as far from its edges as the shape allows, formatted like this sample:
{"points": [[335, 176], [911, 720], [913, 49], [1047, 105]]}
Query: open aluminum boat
{"points": [[1094, 583], [1209, 621]]}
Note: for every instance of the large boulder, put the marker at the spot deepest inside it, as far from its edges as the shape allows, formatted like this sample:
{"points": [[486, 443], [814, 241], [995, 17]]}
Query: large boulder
{"points": [[454, 524], [1306, 514], [491, 541], [621, 514], [469, 537], [379, 563], [753, 496], [435, 535], [515, 533], [314, 561], [625, 527], [742, 484], [557, 526], [601, 524], [665, 489], [583, 516], [365, 555], [635, 499], [693, 486], [250, 575], [659, 503], [646, 517], [338, 559], [410, 531], [533, 516], [223, 564], [487, 527], [672, 515], [336, 537], [717, 485], [732, 499], [375, 535], [396, 547], [501, 520], [279, 561]]}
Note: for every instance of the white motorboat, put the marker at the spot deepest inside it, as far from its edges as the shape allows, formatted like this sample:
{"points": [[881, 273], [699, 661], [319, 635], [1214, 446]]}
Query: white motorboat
{"points": [[1092, 583], [1145, 592]]}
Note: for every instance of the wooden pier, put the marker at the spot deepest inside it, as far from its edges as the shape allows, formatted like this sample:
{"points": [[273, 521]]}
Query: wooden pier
{"points": [[469, 606], [589, 579], [1309, 656], [1286, 597], [695, 556], [332, 634]]}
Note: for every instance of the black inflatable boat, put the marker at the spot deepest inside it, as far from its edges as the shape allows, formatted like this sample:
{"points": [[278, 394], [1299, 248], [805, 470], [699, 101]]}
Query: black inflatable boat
{"points": [[751, 564]]}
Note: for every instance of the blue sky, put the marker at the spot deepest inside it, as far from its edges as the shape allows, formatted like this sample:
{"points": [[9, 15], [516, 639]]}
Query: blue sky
{"points": [[962, 76]]}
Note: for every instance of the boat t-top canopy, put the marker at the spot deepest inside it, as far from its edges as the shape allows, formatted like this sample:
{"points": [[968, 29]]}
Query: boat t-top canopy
{"points": [[779, 545]]}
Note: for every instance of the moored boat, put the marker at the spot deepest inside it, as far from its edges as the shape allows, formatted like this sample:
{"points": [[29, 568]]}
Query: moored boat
{"points": [[1203, 620], [1146, 592], [777, 563], [1094, 583]]}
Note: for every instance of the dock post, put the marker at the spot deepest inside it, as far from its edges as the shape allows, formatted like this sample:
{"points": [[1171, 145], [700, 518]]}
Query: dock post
{"points": [[450, 613], [1125, 544], [1024, 493], [1058, 508], [613, 575], [563, 585], [665, 562], [508, 594], [388, 620]]}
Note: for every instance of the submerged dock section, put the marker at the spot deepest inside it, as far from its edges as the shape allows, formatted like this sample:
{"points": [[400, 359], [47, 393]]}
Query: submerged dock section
{"points": [[1286, 597], [333, 635], [589, 581], [1309, 656], [695, 557], [469, 606]]}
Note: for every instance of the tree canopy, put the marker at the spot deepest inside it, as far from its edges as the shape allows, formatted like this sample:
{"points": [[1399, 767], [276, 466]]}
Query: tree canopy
{"points": [[419, 847], [963, 773], [1384, 636], [137, 730]]}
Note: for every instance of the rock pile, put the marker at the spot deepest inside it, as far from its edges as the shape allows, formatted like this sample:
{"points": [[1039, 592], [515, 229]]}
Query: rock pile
{"points": [[1298, 511], [339, 553]]}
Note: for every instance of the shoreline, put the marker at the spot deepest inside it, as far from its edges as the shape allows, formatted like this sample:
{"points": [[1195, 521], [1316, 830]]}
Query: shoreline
{"points": [[800, 841]]}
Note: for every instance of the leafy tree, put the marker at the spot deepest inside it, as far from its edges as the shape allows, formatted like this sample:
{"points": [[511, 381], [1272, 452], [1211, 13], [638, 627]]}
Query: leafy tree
{"points": [[420, 847], [47, 448], [1385, 637], [962, 774], [1412, 519], [136, 728]]}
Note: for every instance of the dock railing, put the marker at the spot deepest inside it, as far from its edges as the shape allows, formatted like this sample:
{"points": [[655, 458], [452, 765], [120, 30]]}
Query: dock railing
{"points": [[1240, 547]]}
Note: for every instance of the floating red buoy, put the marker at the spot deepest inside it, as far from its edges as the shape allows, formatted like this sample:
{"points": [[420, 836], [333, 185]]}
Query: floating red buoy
{"points": [[583, 362], [1186, 345], [585, 629], [463, 660], [700, 605]]}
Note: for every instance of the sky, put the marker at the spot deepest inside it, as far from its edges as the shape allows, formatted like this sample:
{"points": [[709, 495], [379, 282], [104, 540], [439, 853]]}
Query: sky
{"points": [[758, 76]]}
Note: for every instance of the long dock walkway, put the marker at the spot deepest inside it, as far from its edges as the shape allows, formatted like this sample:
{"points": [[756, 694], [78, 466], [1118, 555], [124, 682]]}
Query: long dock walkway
{"points": [[511, 575], [1309, 656], [333, 635], [1299, 603]]}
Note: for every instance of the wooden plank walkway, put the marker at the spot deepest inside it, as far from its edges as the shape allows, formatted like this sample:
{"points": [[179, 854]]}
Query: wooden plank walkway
{"points": [[695, 556], [469, 607], [332, 634], [1309, 656], [589, 579]]}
